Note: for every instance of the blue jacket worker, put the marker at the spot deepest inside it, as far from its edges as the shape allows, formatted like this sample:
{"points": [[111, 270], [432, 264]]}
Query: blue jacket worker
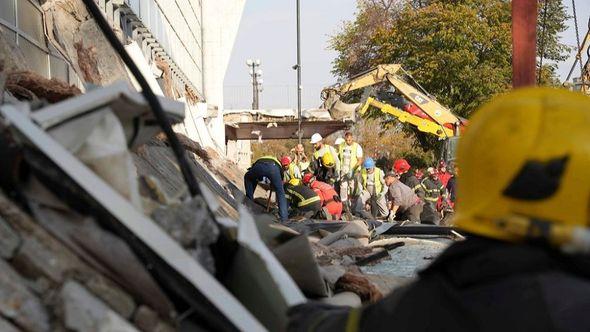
{"points": [[267, 167]]}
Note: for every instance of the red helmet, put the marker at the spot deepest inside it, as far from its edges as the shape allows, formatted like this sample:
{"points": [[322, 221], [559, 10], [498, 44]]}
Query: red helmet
{"points": [[442, 164], [307, 178], [401, 166], [285, 160]]}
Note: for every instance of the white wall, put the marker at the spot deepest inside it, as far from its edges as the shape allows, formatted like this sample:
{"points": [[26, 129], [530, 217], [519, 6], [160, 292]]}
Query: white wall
{"points": [[177, 26], [221, 20]]}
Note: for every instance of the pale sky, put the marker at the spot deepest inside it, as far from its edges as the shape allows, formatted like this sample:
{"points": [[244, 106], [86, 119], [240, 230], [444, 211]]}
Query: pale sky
{"points": [[267, 32]]}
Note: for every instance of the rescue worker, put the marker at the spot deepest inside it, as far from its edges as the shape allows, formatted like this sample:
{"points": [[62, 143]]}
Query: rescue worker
{"points": [[290, 170], [350, 154], [326, 170], [452, 185], [443, 175], [403, 203], [433, 191], [300, 158], [321, 149], [331, 203], [371, 187], [524, 265], [303, 201], [402, 169], [267, 167]]}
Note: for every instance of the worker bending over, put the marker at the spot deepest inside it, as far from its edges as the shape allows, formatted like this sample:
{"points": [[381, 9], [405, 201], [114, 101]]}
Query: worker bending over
{"points": [[325, 162], [433, 190], [290, 169], [524, 265], [372, 189], [403, 203], [350, 154], [303, 201], [267, 167], [331, 204]]}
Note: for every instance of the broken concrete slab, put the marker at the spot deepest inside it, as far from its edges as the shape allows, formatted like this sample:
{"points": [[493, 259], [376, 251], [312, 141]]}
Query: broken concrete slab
{"points": [[9, 240], [6, 326], [147, 320], [97, 247], [19, 304], [41, 256], [84, 312], [71, 29], [302, 266], [191, 225]]}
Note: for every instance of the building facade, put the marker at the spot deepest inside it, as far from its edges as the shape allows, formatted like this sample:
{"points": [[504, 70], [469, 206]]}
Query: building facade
{"points": [[185, 47]]}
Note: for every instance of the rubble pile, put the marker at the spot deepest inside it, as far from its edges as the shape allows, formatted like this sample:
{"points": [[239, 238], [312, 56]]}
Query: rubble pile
{"points": [[99, 233]]}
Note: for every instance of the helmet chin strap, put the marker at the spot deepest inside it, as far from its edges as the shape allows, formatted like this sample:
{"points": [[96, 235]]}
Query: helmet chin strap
{"points": [[569, 239]]}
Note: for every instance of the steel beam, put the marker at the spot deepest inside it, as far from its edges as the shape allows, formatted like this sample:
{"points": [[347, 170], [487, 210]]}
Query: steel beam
{"points": [[524, 42]]}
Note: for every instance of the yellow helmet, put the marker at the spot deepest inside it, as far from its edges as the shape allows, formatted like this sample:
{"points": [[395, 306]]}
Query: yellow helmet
{"points": [[328, 160], [295, 182], [524, 162]]}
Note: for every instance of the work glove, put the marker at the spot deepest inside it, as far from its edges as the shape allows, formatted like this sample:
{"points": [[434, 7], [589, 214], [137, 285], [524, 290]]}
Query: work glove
{"points": [[391, 217]]}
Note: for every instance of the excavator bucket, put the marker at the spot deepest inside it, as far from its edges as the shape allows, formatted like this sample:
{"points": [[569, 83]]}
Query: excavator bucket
{"points": [[343, 111]]}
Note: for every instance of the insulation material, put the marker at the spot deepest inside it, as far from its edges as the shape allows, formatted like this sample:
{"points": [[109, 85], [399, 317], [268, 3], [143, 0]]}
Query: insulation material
{"points": [[28, 85], [105, 152]]}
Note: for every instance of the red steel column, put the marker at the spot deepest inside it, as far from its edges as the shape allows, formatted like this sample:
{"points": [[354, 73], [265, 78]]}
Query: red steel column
{"points": [[524, 42]]}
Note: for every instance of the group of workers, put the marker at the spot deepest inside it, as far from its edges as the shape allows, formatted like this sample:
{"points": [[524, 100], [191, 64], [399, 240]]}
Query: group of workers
{"points": [[339, 181], [524, 265]]}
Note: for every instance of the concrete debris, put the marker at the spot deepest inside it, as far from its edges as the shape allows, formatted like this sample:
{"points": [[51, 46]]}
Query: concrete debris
{"points": [[84, 312], [147, 320], [359, 284], [73, 32], [18, 303], [28, 85], [5, 326], [43, 257], [349, 299], [190, 224], [9, 240]]}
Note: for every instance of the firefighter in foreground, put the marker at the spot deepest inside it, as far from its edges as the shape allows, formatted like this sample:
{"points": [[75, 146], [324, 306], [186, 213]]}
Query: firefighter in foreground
{"points": [[267, 168], [524, 265], [303, 201]]}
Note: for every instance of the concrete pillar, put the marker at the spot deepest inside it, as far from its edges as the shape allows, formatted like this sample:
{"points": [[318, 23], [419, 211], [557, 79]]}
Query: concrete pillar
{"points": [[221, 20]]}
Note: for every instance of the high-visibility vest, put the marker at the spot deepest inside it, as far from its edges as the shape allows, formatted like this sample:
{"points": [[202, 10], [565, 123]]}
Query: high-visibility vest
{"points": [[269, 158], [290, 174], [353, 158], [376, 179], [328, 149]]}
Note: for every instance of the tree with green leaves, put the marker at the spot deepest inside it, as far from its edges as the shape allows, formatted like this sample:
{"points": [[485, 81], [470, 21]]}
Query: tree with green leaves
{"points": [[459, 50]]}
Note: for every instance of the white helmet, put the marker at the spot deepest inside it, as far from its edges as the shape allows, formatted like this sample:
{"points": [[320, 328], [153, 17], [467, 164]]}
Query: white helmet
{"points": [[339, 141], [315, 138]]}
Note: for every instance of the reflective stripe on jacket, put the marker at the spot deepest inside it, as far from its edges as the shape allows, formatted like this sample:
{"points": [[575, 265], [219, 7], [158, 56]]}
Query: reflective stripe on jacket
{"points": [[433, 189], [301, 195]]}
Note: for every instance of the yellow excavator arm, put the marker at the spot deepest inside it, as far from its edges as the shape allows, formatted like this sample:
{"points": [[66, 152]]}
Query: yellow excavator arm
{"points": [[439, 118]]}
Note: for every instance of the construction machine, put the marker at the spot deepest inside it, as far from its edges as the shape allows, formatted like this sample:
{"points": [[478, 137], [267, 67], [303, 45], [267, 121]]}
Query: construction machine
{"points": [[393, 91]]}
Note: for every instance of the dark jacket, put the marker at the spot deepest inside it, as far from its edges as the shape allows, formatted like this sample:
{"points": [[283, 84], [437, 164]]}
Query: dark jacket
{"points": [[411, 181], [481, 285], [433, 190], [301, 196]]}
